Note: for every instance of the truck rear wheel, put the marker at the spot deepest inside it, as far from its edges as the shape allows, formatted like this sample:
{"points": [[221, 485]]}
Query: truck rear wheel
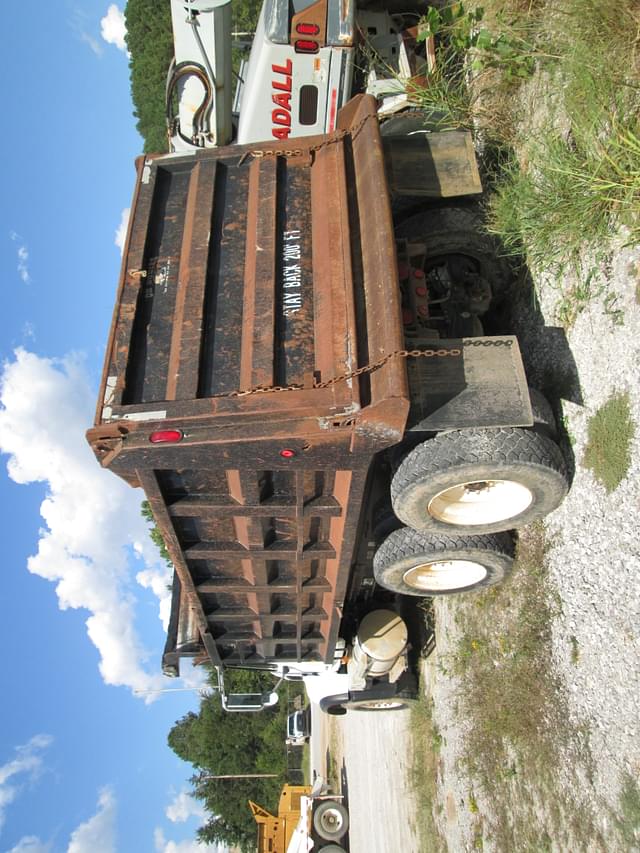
{"points": [[330, 820], [459, 231], [379, 705], [410, 562], [544, 420], [479, 481]]}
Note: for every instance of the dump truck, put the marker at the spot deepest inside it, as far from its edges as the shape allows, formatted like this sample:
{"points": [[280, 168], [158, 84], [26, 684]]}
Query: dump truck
{"points": [[309, 818], [298, 377]]}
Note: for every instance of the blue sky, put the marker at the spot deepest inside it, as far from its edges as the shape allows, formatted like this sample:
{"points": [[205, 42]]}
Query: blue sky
{"points": [[84, 766]]}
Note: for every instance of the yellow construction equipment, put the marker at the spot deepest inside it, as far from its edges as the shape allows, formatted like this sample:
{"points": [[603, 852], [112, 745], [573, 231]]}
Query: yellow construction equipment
{"points": [[275, 832]]}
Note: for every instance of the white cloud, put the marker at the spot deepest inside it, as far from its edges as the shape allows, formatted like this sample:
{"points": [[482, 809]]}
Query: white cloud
{"points": [[157, 580], [97, 835], [93, 43], [80, 23], [92, 519], [121, 231], [23, 257], [189, 846], [31, 844], [183, 807], [113, 28], [25, 767]]}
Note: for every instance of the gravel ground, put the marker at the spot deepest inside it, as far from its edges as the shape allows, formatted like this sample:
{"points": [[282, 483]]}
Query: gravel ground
{"points": [[593, 562], [595, 556]]}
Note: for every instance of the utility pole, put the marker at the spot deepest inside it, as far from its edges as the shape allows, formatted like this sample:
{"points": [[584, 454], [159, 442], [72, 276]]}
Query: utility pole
{"points": [[205, 778]]}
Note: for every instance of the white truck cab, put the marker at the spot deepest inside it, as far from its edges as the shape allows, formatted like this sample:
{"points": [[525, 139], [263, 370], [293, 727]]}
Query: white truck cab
{"points": [[300, 70]]}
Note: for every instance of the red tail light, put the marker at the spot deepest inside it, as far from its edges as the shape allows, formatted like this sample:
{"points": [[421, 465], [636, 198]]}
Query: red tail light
{"points": [[307, 29], [287, 453], [306, 46], [166, 436]]}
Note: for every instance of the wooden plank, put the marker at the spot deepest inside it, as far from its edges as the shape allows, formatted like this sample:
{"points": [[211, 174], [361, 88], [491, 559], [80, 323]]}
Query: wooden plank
{"points": [[435, 165]]}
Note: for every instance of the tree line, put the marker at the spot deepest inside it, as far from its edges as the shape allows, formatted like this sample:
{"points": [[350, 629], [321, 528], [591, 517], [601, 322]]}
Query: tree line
{"points": [[217, 742]]}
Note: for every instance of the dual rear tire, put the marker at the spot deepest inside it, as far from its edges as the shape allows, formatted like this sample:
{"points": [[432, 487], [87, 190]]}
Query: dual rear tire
{"points": [[458, 494], [410, 562]]}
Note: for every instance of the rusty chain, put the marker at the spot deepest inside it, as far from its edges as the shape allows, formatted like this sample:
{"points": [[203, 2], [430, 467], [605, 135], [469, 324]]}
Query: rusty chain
{"points": [[368, 368], [331, 139]]}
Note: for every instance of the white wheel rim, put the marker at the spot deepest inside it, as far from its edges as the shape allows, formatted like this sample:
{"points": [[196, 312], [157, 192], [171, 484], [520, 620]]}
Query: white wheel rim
{"points": [[381, 704], [331, 821], [480, 502], [442, 575]]}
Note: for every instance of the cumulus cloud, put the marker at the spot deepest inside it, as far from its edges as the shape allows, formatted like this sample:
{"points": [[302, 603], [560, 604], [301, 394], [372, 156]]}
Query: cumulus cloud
{"points": [[189, 846], [31, 844], [23, 257], [113, 28], [121, 231], [183, 807], [156, 580], [97, 835], [92, 521], [25, 767]]}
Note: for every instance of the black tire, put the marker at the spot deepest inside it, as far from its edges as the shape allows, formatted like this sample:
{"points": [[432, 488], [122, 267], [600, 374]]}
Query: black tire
{"points": [[332, 848], [544, 420], [479, 481], [330, 820], [460, 231], [396, 562]]}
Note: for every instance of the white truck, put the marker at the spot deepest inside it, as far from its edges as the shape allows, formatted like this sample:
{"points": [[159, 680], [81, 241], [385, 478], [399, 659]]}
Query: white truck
{"points": [[305, 62]]}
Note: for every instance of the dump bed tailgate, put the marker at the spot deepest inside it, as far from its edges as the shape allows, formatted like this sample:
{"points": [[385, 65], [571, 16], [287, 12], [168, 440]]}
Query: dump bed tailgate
{"points": [[255, 282]]}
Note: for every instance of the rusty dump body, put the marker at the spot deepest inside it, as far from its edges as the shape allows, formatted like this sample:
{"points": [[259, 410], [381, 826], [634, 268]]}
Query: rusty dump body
{"points": [[247, 270]]}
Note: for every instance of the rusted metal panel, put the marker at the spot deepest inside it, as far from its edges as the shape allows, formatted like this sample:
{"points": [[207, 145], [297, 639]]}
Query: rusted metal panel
{"points": [[186, 339], [251, 267], [485, 386], [257, 359]]}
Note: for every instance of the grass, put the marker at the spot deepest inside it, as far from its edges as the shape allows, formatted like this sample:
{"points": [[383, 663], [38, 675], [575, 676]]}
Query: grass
{"points": [[575, 650], [518, 730], [306, 763], [629, 821], [423, 774], [568, 177], [610, 433], [577, 179]]}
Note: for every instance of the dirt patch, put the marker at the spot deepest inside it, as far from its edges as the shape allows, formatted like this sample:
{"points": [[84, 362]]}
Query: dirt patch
{"points": [[375, 777]]}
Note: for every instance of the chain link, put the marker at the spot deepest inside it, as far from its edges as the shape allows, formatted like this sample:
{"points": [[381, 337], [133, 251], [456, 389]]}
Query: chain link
{"points": [[332, 139], [345, 377], [370, 368]]}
